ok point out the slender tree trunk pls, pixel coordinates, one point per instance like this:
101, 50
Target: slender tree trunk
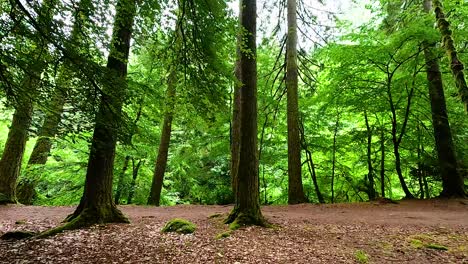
396, 139
12, 156
455, 64
332, 184
135, 171
370, 174
96, 204
310, 164
382, 161
247, 206
120, 182
161, 161
295, 188
452, 180
420, 167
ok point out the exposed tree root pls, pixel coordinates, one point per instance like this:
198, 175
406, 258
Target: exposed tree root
87, 217
238, 219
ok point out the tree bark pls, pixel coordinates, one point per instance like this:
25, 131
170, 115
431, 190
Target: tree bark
456, 65
295, 188
12, 156
96, 205
161, 160
247, 206
452, 180
370, 174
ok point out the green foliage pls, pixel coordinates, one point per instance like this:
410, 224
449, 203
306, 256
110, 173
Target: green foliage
361, 256
180, 226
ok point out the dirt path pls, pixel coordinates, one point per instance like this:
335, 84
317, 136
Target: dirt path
340, 233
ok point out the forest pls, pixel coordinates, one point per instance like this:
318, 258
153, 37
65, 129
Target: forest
233, 122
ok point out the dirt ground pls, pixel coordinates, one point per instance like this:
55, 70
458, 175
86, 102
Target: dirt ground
434, 231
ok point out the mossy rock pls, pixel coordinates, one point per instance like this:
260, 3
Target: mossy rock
16, 235
223, 235
216, 215
180, 226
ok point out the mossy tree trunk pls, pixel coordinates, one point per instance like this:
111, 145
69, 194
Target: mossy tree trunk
295, 188
456, 65
48, 130
12, 156
452, 180
96, 205
163, 151
247, 206
370, 168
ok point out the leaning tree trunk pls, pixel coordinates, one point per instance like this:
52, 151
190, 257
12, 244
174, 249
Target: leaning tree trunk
161, 160
455, 64
370, 174
96, 205
247, 206
12, 156
53, 115
295, 188
452, 180
48, 130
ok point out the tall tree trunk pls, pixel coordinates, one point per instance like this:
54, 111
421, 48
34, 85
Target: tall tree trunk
120, 182
452, 180
396, 139
161, 160
96, 205
455, 64
235, 129
236, 114
370, 174
48, 130
53, 115
12, 156
332, 184
295, 188
135, 171
382, 161
247, 205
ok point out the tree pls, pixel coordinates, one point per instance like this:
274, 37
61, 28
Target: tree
295, 189
161, 160
55, 108
452, 180
10, 163
456, 65
247, 205
96, 205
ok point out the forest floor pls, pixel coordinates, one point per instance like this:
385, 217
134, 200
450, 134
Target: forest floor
431, 231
